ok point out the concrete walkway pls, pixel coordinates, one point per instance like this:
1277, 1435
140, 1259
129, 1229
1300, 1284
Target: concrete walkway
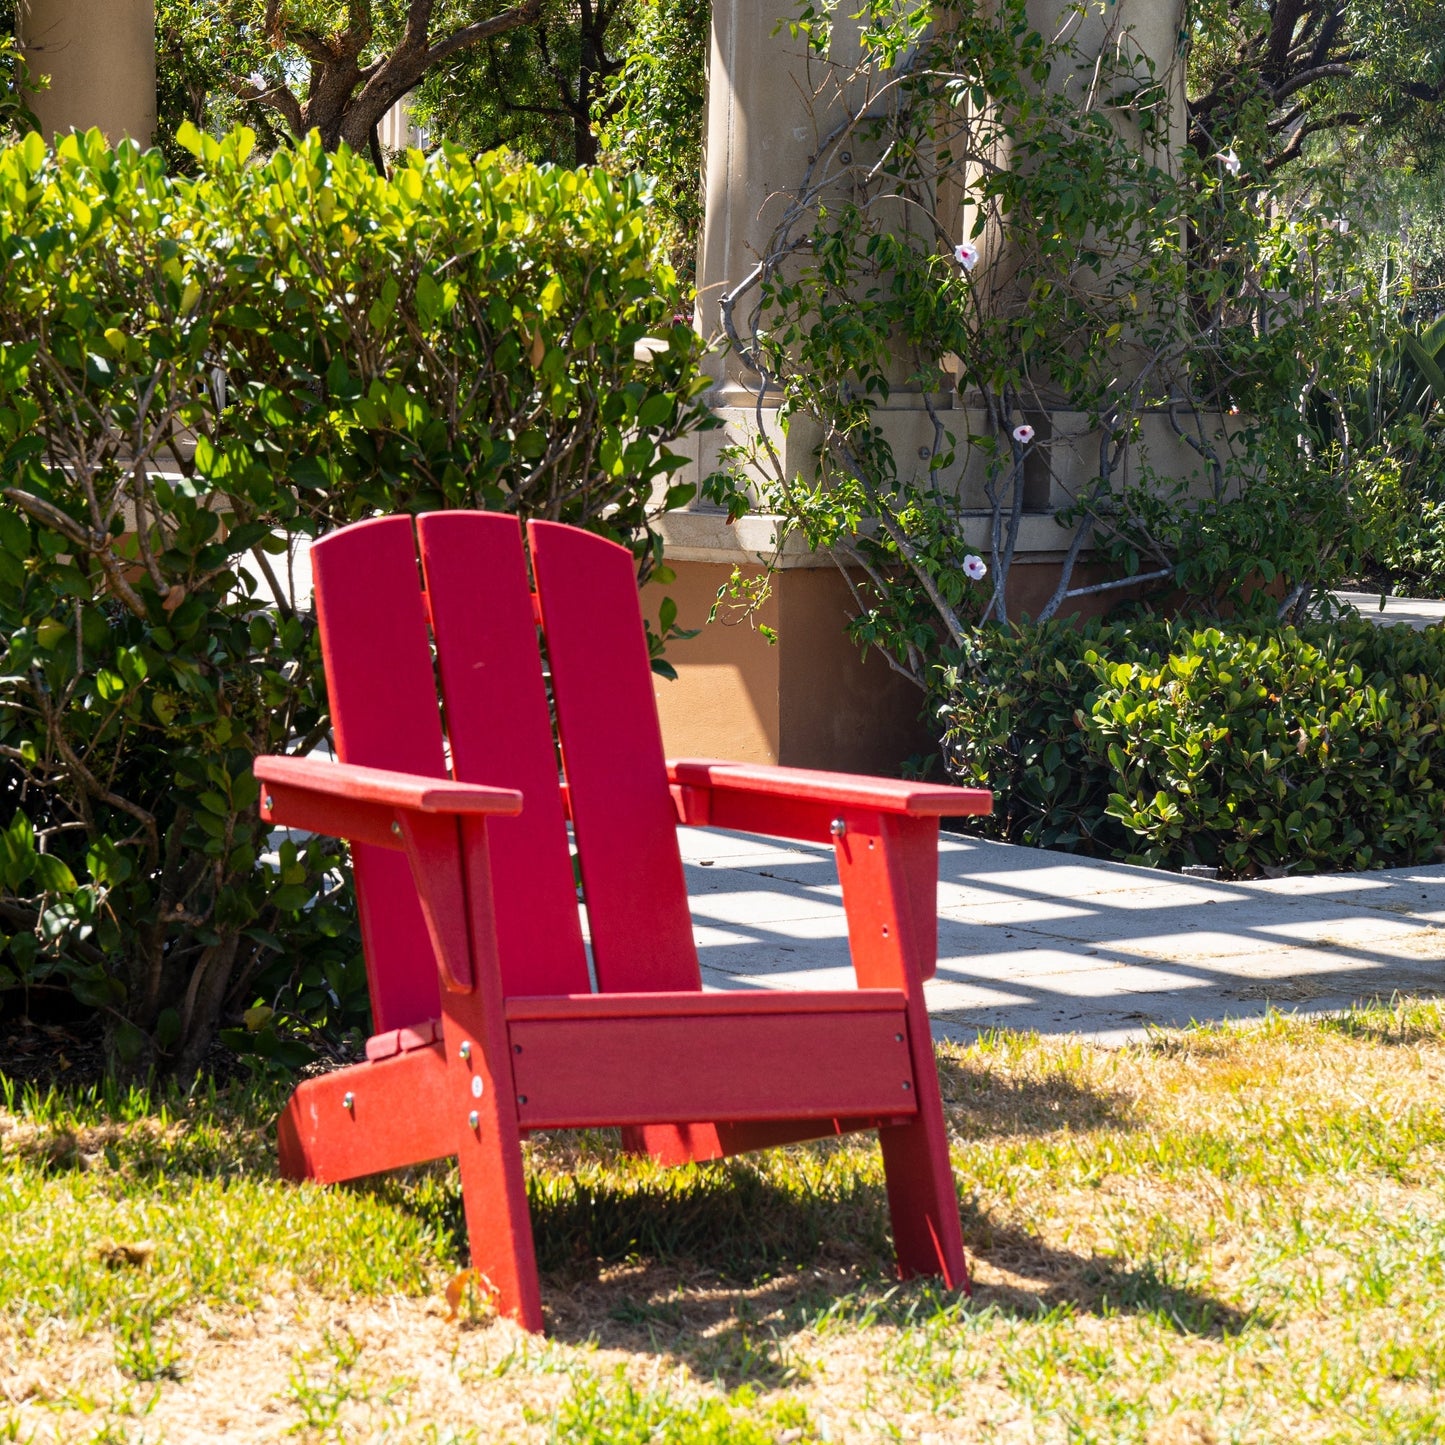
1416, 612
1042, 941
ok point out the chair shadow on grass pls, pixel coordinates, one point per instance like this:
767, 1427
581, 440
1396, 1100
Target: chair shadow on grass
982, 1104
722, 1265
722, 1268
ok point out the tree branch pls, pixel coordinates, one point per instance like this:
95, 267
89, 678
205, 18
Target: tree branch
1336, 69
469, 35
278, 98
1313, 127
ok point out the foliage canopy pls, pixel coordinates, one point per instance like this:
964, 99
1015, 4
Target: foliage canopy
197, 373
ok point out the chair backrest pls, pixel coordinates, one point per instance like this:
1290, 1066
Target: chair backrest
401, 604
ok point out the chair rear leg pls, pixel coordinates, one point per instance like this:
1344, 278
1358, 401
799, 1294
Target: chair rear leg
367, 1118
674, 1144
489, 1153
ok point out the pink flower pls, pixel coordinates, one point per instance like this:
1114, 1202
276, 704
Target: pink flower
974, 568
966, 255
1023, 435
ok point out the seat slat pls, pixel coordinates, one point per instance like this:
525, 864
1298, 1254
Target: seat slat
584, 1072
622, 811
499, 728
382, 693
749, 1003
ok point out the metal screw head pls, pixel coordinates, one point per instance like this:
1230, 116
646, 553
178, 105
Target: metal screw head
477, 1086
906, 1086
837, 827
473, 1119
897, 1038
846, 157
924, 453
348, 1101
396, 829
466, 1051
521, 1098
270, 802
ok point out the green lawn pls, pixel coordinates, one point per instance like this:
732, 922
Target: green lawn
1221, 1235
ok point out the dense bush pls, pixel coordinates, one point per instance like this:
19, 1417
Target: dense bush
194, 373
1252, 749
1397, 411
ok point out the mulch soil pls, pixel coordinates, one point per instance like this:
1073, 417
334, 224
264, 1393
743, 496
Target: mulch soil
69, 1054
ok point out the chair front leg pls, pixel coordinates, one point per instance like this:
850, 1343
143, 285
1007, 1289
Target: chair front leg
489, 1154
888, 866
481, 1099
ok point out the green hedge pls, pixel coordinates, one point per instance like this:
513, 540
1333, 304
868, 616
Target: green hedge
194, 373
1250, 749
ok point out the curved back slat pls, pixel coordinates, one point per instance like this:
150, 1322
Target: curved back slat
500, 733
622, 813
384, 714
377, 625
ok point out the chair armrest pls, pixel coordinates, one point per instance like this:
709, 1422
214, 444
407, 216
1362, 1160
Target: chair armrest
345, 800
890, 891
801, 803
426, 818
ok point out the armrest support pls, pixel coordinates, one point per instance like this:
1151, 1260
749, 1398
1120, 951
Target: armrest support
439, 824
801, 803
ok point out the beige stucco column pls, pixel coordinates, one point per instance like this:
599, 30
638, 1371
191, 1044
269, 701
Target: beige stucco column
812, 699
1149, 30
100, 59
770, 107
1120, 47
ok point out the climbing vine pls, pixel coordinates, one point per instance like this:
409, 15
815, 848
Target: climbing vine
1124, 351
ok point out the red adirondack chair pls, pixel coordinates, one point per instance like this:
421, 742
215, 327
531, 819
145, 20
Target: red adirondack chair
487, 1024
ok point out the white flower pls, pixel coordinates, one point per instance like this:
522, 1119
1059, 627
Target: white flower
1231, 161
975, 568
966, 255
1342, 226
1023, 435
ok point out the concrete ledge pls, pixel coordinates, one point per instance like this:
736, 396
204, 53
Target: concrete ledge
709, 537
